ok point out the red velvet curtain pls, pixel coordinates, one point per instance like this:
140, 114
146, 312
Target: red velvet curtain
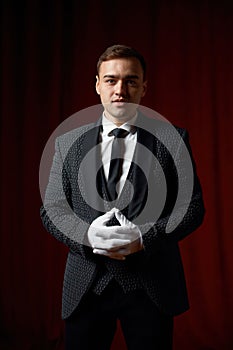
48, 56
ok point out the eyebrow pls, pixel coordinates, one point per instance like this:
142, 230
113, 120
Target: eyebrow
126, 77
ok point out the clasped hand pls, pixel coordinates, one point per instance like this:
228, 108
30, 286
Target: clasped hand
116, 242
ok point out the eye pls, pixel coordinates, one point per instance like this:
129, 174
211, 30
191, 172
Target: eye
110, 81
131, 82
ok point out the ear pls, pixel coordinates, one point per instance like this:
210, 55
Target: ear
97, 84
144, 88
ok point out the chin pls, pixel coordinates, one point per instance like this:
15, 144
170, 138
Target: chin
123, 111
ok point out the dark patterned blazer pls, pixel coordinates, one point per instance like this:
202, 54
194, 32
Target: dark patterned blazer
162, 195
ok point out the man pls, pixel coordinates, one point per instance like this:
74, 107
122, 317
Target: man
124, 261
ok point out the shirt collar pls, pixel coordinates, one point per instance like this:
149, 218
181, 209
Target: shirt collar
108, 125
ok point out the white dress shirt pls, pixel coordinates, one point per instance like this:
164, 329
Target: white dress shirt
106, 147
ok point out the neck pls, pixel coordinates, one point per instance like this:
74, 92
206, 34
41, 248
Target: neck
116, 121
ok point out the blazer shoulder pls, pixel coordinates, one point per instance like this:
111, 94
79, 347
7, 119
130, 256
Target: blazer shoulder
158, 123
64, 143
74, 134
162, 128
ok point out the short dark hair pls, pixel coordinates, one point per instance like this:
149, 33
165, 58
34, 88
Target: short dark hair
121, 51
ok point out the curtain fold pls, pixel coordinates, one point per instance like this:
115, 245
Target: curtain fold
48, 65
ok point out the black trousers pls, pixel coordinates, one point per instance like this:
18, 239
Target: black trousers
93, 324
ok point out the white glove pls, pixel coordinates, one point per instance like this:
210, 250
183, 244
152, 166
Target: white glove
105, 237
116, 241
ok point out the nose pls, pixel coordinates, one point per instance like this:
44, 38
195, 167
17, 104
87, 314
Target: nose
120, 88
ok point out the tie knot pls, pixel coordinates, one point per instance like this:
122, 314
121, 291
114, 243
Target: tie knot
119, 133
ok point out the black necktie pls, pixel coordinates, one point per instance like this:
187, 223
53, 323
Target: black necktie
115, 169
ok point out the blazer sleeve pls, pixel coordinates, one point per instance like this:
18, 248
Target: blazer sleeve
188, 213
56, 212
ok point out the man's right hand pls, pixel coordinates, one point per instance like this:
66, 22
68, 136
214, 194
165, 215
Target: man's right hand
116, 242
105, 237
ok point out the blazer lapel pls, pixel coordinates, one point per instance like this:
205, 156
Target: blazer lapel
92, 164
139, 171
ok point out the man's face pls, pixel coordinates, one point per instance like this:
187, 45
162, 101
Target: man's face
121, 86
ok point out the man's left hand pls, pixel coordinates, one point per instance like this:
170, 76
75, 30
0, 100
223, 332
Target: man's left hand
127, 231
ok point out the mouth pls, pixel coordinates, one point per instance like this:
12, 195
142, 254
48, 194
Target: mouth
119, 102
